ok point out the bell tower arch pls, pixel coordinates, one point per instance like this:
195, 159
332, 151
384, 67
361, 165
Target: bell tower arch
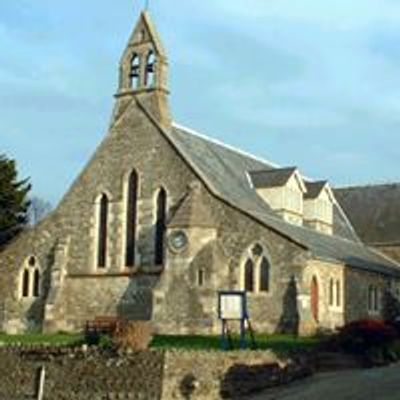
144, 70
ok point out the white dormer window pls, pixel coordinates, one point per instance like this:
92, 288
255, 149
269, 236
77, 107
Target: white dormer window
318, 207
283, 190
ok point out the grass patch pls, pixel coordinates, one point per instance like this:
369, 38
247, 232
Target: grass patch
59, 339
281, 344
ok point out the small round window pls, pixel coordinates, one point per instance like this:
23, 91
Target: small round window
178, 241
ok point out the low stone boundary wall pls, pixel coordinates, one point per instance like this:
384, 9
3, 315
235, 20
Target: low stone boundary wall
216, 375
87, 373
81, 375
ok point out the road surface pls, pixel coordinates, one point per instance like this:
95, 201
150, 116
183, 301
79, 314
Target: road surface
367, 384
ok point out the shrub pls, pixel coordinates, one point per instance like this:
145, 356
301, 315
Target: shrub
92, 338
105, 342
135, 335
361, 336
391, 309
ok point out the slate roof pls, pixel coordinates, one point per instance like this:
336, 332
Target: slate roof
225, 171
314, 189
272, 177
192, 212
374, 211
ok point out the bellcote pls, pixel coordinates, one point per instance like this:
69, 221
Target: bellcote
144, 65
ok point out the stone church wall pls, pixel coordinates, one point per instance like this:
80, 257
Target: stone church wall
276, 310
330, 312
73, 288
85, 294
171, 299
26, 313
90, 291
357, 284
222, 259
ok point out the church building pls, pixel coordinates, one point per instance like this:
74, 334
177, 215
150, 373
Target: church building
162, 218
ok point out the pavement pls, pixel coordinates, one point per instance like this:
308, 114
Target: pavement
366, 384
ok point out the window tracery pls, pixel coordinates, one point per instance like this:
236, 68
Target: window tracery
256, 270
30, 279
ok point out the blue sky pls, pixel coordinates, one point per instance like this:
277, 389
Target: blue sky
299, 82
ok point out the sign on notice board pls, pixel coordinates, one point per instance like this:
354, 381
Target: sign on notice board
232, 305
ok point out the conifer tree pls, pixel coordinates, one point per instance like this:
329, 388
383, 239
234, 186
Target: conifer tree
14, 201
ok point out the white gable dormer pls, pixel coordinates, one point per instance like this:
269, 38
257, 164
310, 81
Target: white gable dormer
318, 207
283, 189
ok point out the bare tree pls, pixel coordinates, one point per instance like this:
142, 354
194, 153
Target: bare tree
38, 209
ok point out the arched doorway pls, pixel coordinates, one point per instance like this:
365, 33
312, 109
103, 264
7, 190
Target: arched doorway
314, 298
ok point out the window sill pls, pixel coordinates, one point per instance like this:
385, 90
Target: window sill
28, 300
126, 272
336, 309
100, 275
258, 294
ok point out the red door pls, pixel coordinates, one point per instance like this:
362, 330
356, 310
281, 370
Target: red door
314, 298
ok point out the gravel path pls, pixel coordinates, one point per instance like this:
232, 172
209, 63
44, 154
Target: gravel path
371, 384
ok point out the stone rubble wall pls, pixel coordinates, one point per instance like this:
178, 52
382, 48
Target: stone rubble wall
216, 375
85, 373
77, 375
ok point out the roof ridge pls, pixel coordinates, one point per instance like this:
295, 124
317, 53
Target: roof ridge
272, 164
227, 146
383, 255
320, 182
366, 185
270, 171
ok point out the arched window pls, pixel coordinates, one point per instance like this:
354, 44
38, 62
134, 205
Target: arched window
160, 226
338, 294
373, 298
30, 278
32, 261
131, 219
36, 283
370, 298
249, 276
331, 292
264, 275
102, 232
135, 71
257, 270
200, 277
150, 69
25, 283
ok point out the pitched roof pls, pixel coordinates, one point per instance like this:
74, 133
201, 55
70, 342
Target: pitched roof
192, 211
146, 22
373, 210
272, 177
225, 171
314, 189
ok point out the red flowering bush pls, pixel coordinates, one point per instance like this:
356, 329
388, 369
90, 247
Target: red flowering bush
361, 336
